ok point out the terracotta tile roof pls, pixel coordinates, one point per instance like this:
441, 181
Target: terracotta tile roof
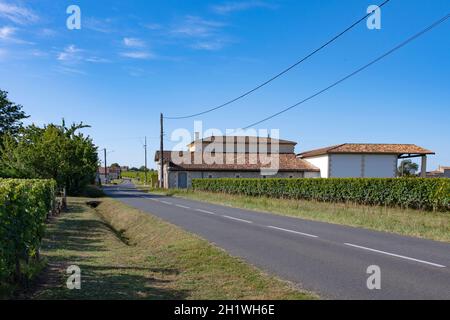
247, 139
376, 148
101, 170
237, 162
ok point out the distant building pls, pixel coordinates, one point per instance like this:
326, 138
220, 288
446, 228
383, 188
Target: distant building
106, 175
363, 160
124, 168
233, 157
441, 172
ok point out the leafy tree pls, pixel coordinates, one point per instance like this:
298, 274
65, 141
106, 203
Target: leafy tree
56, 152
407, 168
115, 165
11, 115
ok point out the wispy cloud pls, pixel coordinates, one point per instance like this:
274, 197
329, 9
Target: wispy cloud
70, 71
201, 34
74, 55
6, 33
212, 45
142, 55
17, 14
70, 54
197, 27
133, 43
99, 25
230, 7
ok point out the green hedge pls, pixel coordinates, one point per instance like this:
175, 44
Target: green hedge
428, 194
24, 205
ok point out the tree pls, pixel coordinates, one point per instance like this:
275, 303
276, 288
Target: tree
115, 165
11, 115
55, 152
407, 168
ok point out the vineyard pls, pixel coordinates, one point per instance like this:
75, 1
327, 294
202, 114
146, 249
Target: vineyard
427, 194
24, 207
139, 176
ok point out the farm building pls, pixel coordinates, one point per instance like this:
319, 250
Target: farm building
106, 175
247, 157
233, 157
364, 160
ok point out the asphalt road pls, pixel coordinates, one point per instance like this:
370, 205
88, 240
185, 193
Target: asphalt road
328, 259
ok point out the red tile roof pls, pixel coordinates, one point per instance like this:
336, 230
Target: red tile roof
240, 139
375, 148
237, 162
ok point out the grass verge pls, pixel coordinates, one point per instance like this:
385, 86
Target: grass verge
409, 222
124, 253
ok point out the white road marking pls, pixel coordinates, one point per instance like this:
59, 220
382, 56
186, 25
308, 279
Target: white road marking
205, 211
181, 206
237, 219
396, 255
165, 202
292, 231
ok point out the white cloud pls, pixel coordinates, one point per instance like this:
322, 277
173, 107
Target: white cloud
230, 7
70, 53
6, 33
137, 55
133, 42
197, 27
99, 25
17, 14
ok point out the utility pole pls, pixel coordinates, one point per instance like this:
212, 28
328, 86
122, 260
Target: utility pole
106, 167
161, 153
145, 146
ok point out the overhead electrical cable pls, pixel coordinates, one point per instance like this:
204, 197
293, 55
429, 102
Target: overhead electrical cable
404, 43
243, 95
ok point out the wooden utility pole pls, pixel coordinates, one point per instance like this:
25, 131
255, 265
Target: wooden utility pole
161, 153
106, 166
145, 147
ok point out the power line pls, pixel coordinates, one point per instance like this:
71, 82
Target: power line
282, 72
435, 24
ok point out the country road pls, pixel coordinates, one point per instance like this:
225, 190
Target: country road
328, 259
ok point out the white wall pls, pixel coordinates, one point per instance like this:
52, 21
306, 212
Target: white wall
320, 162
380, 166
345, 166
363, 165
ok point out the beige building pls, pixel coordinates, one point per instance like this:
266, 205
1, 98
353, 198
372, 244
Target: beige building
233, 157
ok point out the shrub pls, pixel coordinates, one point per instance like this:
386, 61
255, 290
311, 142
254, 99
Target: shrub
24, 205
427, 194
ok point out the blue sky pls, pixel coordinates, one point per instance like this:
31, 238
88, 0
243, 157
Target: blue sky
133, 59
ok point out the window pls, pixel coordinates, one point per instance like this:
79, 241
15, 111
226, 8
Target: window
210, 176
238, 176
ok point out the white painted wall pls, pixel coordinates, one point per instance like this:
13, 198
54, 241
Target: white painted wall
345, 166
320, 162
380, 166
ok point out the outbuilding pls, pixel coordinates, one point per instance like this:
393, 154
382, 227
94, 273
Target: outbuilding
360, 160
